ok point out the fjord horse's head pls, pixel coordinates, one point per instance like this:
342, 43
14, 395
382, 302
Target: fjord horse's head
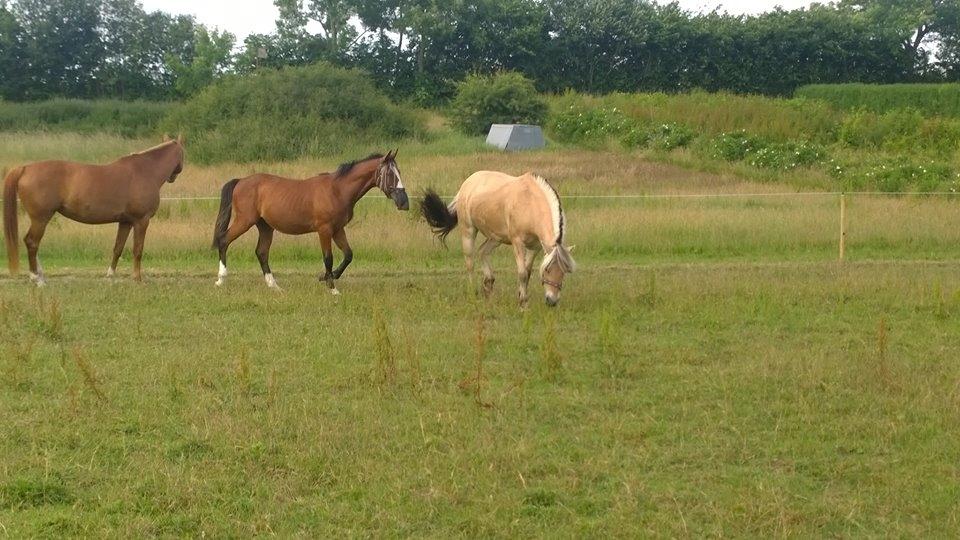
388, 180
556, 265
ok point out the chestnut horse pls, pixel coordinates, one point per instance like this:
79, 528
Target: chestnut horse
126, 191
523, 211
322, 204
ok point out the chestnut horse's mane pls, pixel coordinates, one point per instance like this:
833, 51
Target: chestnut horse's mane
152, 148
345, 168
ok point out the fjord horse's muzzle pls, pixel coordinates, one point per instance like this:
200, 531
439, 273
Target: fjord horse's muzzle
400, 198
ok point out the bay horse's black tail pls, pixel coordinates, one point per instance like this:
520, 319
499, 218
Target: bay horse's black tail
226, 209
440, 217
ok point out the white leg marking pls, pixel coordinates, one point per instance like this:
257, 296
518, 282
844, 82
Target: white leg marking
221, 274
334, 291
111, 272
38, 279
271, 282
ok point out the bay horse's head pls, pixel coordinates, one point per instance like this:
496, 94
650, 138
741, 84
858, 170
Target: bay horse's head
555, 266
388, 180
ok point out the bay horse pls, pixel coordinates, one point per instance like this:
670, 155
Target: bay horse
322, 204
126, 191
523, 211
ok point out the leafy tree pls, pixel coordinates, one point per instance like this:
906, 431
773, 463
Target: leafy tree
211, 58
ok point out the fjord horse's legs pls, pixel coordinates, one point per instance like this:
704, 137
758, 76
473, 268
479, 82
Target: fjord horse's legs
340, 237
263, 252
123, 231
524, 259
139, 234
483, 254
32, 240
327, 247
468, 237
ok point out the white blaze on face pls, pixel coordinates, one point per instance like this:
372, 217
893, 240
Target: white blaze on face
396, 172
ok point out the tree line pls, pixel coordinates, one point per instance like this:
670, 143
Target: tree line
420, 49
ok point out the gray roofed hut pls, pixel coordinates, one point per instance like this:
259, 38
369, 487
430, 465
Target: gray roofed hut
516, 137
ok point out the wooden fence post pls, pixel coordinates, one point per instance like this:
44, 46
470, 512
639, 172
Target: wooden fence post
843, 225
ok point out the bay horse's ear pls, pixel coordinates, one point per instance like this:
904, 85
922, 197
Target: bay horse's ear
395, 152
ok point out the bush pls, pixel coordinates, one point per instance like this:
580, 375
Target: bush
580, 124
670, 136
124, 118
760, 152
290, 113
929, 99
504, 98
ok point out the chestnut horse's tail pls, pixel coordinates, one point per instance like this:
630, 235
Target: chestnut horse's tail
441, 217
10, 185
226, 208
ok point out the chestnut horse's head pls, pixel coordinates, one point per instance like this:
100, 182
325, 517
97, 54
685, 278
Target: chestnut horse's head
388, 180
178, 144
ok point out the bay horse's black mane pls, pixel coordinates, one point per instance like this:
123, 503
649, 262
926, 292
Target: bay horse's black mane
345, 168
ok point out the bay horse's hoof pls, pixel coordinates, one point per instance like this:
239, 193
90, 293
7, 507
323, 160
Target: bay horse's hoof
272, 282
38, 280
334, 292
219, 282
111, 272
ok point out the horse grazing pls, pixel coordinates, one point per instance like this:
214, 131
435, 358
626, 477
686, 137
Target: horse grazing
523, 211
322, 204
126, 191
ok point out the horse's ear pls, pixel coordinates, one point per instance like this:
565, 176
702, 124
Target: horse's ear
571, 248
180, 138
395, 152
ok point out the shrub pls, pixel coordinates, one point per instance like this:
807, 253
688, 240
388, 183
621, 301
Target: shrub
578, 124
737, 146
897, 175
288, 113
504, 98
786, 156
670, 136
124, 118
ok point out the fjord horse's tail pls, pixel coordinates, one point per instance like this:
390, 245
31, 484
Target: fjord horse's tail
226, 209
10, 185
442, 218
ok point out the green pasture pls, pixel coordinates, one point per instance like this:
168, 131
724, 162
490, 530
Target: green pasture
712, 369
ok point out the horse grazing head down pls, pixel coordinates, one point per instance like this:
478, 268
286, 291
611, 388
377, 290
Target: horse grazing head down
555, 266
388, 180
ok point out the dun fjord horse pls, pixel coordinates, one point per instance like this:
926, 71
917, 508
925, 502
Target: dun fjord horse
322, 204
126, 191
523, 211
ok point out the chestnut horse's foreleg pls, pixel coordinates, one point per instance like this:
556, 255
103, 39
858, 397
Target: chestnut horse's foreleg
327, 246
524, 259
123, 231
263, 253
340, 237
483, 254
32, 241
139, 234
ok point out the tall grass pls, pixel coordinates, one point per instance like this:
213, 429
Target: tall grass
930, 99
124, 118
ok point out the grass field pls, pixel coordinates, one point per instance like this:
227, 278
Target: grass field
711, 370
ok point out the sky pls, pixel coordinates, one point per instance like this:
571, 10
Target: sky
245, 17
